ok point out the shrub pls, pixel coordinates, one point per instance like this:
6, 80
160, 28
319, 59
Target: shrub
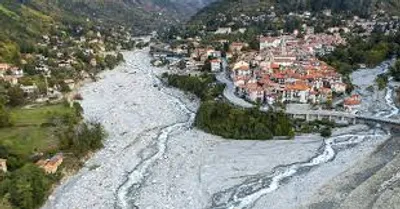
326, 132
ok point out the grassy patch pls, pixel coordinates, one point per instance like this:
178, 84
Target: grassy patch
28, 135
37, 116
26, 140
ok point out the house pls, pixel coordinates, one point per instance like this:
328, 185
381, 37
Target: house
239, 81
267, 42
241, 68
241, 64
93, 62
352, 103
10, 79
242, 30
29, 89
237, 46
15, 71
215, 65
338, 87
213, 53
50, 166
4, 67
255, 92
64, 64
42, 68
226, 30
3, 165
298, 92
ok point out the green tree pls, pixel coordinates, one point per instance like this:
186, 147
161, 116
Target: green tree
16, 96
28, 187
3, 152
85, 138
395, 70
120, 57
111, 61
382, 81
326, 132
224, 120
5, 118
207, 66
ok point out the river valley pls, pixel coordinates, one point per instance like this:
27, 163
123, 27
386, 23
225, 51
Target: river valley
153, 158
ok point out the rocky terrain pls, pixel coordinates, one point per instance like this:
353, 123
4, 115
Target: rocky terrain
154, 158
374, 182
375, 101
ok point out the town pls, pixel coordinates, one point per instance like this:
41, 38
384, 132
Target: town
285, 69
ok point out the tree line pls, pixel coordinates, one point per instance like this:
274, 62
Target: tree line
369, 51
203, 86
220, 118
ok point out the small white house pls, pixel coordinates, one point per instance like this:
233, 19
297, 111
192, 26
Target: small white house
215, 65
227, 30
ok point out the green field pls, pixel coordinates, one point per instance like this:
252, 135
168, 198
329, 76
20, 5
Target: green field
28, 135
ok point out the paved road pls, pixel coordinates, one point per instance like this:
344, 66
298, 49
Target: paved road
229, 92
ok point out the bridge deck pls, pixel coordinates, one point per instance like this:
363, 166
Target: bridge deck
328, 113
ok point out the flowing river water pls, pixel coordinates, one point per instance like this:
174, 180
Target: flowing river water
127, 190
125, 185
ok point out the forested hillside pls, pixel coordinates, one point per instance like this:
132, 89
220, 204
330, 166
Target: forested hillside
24, 21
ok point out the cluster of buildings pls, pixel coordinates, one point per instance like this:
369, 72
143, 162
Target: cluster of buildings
287, 70
193, 59
62, 60
308, 46
10, 73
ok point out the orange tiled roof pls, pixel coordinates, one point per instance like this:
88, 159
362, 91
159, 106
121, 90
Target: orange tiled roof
275, 66
298, 86
353, 100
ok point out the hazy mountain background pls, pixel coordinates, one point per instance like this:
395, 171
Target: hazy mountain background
23, 22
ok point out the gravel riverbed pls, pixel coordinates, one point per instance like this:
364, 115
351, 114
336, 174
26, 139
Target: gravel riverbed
153, 158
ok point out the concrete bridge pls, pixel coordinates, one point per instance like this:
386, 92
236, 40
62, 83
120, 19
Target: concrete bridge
340, 117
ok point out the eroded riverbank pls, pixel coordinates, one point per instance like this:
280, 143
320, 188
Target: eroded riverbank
154, 159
